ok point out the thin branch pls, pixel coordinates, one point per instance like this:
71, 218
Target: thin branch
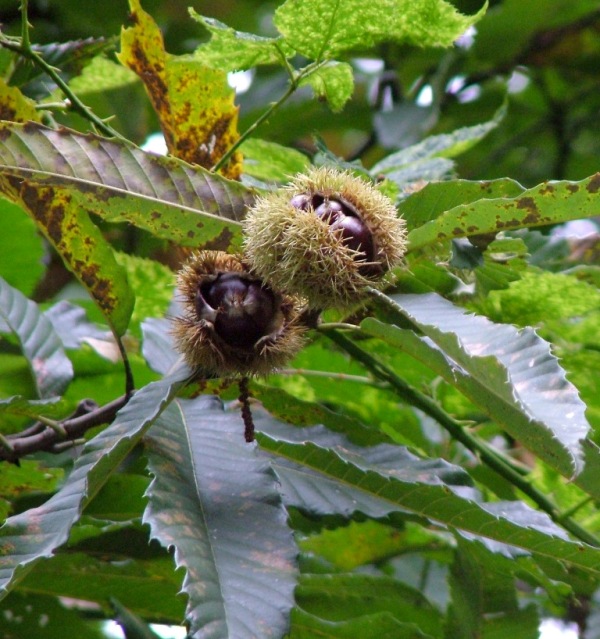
40, 436
24, 48
295, 80
486, 453
342, 377
129, 381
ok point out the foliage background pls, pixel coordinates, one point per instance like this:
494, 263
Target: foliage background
427, 566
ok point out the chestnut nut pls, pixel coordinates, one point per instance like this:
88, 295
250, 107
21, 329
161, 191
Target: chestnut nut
340, 216
242, 309
328, 237
233, 323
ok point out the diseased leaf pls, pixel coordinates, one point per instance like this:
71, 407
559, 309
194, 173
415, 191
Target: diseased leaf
193, 102
333, 83
215, 500
323, 29
511, 374
79, 242
51, 368
547, 203
435, 198
121, 183
232, 50
15, 107
35, 534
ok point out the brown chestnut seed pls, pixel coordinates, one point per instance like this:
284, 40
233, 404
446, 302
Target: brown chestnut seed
330, 210
301, 201
355, 235
244, 309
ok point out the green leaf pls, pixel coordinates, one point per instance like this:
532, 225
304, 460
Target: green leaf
71, 57
333, 83
377, 626
133, 627
29, 476
23, 268
232, 50
547, 203
20, 548
33, 408
323, 29
50, 367
157, 345
147, 587
383, 479
348, 596
272, 162
73, 326
47, 617
484, 597
154, 285
121, 183
215, 500
369, 542
300, 412
445, 145
511, 374
544, 297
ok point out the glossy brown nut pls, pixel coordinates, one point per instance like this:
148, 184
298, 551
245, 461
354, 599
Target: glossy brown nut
244, 309
330, 210
356, 235
301, 201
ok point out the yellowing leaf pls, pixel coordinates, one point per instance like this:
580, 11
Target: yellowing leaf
193, 102
16, 107
79, 242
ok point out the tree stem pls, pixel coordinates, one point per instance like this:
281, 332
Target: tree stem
488, 455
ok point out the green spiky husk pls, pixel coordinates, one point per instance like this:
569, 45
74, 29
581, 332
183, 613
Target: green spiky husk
202, 347
295, 251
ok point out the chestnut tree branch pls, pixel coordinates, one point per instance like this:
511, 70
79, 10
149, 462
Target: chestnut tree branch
41, 436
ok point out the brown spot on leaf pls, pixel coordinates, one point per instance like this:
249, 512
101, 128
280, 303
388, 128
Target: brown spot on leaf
572, 188
594, 184
527, 203
457, 231
220, 243
547, 189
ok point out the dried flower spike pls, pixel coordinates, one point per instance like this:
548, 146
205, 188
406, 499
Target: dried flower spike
327, 236
233, 324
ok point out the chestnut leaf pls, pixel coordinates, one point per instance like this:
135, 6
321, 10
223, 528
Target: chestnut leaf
324, 29
333, 83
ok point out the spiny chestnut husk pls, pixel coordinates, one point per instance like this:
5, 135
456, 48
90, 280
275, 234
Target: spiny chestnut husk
325, 237
233, 324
